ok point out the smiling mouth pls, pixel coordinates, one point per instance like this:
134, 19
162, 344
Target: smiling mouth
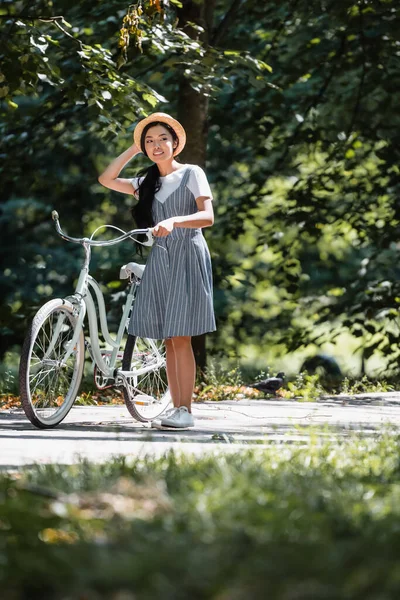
157, 153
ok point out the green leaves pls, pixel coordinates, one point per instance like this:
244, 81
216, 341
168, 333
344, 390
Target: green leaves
304, 173
303, 153
40, 43
152, 100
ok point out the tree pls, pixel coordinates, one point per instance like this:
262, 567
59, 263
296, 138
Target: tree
316, 178
304, 160
65, 97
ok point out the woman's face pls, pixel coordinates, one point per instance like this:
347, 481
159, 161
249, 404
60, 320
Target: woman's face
159, 144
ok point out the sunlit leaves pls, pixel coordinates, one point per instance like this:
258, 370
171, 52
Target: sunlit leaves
131, 26
321, 155
203, 65
40, 43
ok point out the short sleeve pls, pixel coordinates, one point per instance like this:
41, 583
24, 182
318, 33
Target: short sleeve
198, 183
135, 184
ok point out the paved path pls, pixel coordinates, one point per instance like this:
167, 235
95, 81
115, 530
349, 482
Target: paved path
98, 433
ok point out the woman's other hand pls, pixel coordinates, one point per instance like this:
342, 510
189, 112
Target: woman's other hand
164, 228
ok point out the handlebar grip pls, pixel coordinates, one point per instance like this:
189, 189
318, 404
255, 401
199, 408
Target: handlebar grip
54, 215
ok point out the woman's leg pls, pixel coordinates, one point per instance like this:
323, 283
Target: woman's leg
185, 369
171, 373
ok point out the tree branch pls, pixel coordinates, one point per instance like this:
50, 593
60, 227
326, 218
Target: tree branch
314, 102
280, 29
57, 24
226, 22
30, 18
152, 66
54, 20
362, 79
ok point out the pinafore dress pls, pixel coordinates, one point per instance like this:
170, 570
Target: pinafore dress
175, 296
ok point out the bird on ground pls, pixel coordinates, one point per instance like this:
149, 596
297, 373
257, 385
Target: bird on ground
270, 385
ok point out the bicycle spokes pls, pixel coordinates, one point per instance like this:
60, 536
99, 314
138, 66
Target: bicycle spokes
146, 388
52, 362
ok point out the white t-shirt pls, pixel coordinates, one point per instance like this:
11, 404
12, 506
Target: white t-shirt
197, 183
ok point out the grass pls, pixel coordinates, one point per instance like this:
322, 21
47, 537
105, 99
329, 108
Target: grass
320, 521
223, 384
216, 384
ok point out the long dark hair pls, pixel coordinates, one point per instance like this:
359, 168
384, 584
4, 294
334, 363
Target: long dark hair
149, 183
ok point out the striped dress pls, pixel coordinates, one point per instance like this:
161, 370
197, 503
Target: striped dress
175, 297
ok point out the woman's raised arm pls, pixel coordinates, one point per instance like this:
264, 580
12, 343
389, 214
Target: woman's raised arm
109, 178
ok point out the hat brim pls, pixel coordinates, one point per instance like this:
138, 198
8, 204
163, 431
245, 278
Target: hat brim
161, 118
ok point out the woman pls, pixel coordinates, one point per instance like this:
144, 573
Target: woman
175, 298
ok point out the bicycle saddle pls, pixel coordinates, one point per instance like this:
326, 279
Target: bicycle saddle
131, 268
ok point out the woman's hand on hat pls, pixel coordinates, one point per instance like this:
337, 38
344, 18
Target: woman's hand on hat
164, 228
135, 149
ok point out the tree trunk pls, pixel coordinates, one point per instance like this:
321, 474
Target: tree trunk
193, 112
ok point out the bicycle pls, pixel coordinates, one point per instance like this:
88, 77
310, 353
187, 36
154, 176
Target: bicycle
53, 353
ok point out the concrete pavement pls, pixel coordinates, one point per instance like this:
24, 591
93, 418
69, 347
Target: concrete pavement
98, 433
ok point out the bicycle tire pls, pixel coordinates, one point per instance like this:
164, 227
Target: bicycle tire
139, 351
49, 386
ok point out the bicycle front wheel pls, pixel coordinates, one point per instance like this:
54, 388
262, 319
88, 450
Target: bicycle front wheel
50, 370
147, 395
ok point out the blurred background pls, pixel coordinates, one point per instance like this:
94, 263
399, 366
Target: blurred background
292, 108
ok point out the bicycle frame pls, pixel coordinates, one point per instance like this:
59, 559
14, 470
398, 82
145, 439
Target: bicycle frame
84, 301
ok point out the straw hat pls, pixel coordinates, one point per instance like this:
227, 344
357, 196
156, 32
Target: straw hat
162, 118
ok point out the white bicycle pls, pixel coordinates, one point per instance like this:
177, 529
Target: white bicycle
53, 353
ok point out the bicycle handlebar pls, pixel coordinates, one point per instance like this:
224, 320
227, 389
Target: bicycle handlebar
90, 242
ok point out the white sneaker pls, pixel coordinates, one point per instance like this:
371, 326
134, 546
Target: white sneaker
181, 418
168, 413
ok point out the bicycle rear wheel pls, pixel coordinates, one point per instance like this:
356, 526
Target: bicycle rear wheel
49, 378
147, 395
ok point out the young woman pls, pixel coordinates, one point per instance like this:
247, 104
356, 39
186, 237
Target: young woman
175, 298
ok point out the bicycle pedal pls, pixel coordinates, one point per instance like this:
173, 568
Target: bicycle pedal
143, 400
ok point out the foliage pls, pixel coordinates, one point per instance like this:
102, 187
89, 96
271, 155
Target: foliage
305, 387
217, 393
365, 385
303, 157
9, 374
216, 384
65, 96
319, 520
312, 183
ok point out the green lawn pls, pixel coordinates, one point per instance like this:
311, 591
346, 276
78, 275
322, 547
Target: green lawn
281, 522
